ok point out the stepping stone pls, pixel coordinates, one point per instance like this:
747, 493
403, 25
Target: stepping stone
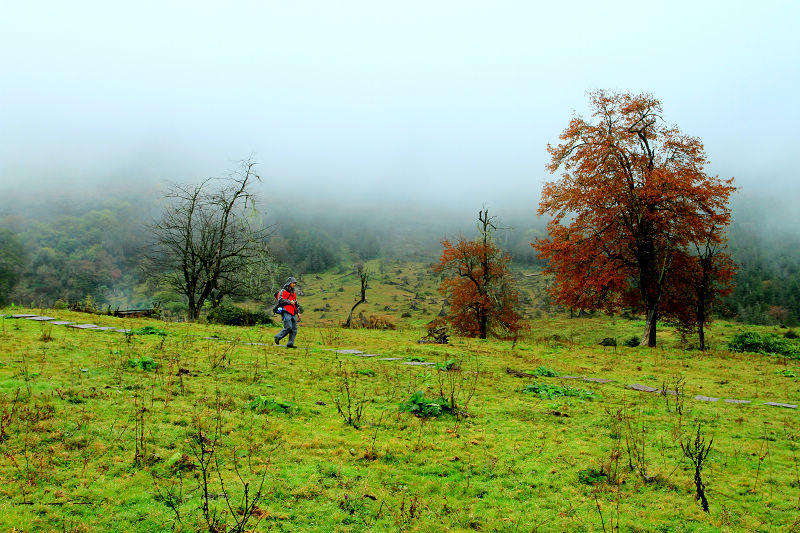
643, 388
61, 323
598, 380
84, 326
21, 316
352, 352
737, 401
390, 359
571, 377
365, 354
706, 398
670, 392
255, 344
776, 404
122, 330
418, 363
105, 328
40, 318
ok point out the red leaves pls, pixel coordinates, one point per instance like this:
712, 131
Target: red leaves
478, 284
633, 198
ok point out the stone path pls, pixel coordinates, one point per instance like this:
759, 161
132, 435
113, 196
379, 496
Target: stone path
701, 398
359, 353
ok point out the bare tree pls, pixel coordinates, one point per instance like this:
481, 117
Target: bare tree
363, 275
207, 237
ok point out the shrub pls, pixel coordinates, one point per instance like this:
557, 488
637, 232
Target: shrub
592, 476
751, 341
379, 322
450, 364
262, 404
148, 330
633, 342
422, 407
548, 392
143, 363
230, 315
545, 372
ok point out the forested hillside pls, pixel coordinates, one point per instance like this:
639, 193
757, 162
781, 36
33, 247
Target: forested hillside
74, 246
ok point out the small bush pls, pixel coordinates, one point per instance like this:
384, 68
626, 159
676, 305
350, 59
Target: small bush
450, 364
60, 305
791, 334
548, 392
633, 342
751, 341
379, 322
592, 476
148, 330
422, 407
230, 315
262, 404
143, 363
545, 372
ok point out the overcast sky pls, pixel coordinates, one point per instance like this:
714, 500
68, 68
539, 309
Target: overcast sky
391, 101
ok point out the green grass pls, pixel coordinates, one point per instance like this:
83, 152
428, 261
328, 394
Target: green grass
91, 442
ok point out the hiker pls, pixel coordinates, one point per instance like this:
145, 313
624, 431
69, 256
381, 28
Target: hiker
290, 311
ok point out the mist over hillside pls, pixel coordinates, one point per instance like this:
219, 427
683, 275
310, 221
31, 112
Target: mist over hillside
88, 241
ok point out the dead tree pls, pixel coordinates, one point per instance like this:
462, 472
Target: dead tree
206, 238
363, 275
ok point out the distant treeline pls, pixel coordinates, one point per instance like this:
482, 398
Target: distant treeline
71, 249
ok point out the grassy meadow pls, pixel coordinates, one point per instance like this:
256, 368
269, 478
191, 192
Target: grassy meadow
194, 427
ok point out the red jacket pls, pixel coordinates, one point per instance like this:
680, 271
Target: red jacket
290, 308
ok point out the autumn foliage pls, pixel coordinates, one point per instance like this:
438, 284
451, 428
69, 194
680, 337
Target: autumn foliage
479, 286
633, 215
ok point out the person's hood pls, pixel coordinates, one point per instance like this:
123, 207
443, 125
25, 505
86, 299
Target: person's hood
289, 282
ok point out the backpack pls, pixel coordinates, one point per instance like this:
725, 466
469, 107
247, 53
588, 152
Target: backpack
276, 309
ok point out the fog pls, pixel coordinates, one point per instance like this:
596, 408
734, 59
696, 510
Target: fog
415, 105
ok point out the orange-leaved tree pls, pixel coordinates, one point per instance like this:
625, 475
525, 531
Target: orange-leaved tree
632, 203
479, 285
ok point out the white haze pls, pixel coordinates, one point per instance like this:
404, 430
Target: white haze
445, 103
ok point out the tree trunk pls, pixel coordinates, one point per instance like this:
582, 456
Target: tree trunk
483, 322
350, 316
649, 333
704, 298
364, 278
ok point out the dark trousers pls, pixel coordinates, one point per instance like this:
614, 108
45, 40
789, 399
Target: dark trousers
289, 328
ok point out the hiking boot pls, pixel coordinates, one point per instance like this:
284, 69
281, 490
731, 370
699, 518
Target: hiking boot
291, 346
277, 340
